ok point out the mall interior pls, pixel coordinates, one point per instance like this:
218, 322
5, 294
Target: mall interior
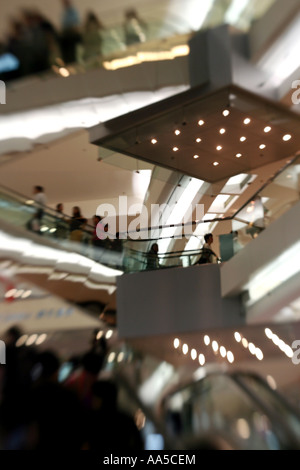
128, 132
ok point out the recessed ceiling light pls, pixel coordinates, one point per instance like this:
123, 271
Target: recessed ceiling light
242, 139
238, 155
287, 137
201, 122
262, 146
267, 129
216, 163
219, 147
153, 141
198, 140
222, 131
226, 112
175, 149
177, 132
196, 156
247, 121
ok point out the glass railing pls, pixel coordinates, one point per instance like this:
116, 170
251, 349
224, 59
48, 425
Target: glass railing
275, 198
118, 253
181, 249
237, 410
48, 224
220, 406
93, 45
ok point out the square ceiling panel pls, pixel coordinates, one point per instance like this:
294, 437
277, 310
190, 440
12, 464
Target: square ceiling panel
210, 137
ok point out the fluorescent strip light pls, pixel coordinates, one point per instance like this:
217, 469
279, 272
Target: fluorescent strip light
235, 10
275, 274
193, 14
179, 211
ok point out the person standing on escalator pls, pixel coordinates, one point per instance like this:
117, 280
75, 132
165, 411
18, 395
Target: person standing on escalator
40, 197
152, 258
40, 201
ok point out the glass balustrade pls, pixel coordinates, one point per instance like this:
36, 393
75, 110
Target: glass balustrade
183, 247
154, 37
218, 406
232, 410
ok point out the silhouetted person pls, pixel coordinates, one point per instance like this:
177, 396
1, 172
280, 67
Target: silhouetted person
107, 427
55, 411
76, 224
40, 202
91, 36
39, 197
208, 255
16, 386
96, 241
35, 223
134, 27
152, 257
61, 223
82, 379
70, 35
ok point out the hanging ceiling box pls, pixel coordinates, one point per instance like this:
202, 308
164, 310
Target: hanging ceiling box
207, 136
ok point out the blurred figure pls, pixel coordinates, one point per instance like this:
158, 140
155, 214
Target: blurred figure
82, 379
70, 36
134, 27
91, 37
70, 17
152, 257
40, 199
19, 360
16, 386
36, 38
18, 46
76, 224
35, 223
55, 412
96, 241
61, 224
52, 39
108, 427
9, 65
40, 196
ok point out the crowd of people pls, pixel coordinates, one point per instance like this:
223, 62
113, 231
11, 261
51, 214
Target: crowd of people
77, 229
73, 228
36, 44
38, 411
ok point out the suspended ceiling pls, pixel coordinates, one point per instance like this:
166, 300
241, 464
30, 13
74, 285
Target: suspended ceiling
190, 134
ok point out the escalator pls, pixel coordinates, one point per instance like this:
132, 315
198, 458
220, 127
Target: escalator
221, 411
17, 211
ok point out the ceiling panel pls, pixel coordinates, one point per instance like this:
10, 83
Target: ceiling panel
166, 133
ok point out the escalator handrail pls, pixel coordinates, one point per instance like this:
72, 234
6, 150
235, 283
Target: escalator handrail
274, 416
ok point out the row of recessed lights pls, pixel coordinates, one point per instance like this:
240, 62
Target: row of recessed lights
222, 131
219, 349
107, 335
185, 350
201, 358
17, 294
255, 351
29, 340
246, 121
286, 138
285, 348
